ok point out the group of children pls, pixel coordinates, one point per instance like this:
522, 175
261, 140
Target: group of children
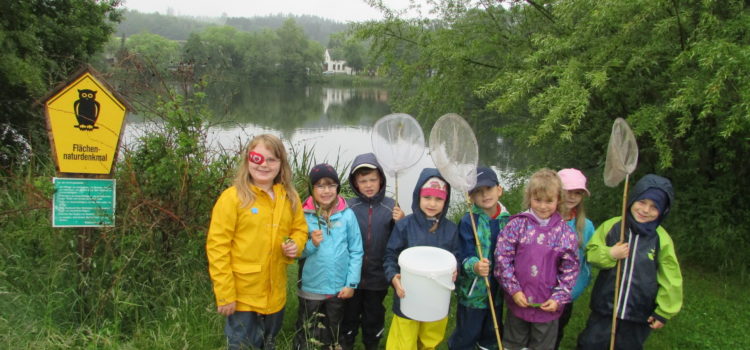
537, 261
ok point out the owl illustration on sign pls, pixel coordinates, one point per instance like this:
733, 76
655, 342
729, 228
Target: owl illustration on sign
87, 110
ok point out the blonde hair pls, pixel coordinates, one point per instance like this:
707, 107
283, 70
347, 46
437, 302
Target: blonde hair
580, 215
544, 182
243, 179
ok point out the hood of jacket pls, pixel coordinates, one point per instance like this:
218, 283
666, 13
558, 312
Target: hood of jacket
554, 219
367, 158
309, 205
653, 181
645, 184
425, 175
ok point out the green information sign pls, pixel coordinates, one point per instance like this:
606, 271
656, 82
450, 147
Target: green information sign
83, 202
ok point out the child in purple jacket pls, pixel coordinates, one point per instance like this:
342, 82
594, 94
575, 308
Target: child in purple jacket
537, 265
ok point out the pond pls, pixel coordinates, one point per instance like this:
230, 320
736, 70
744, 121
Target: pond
336, 123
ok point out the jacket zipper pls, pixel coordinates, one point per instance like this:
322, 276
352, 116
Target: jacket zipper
367, 239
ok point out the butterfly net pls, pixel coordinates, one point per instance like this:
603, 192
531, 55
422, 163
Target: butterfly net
397, 141
622, 153
454, 150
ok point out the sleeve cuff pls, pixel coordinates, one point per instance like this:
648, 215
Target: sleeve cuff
512, 290
561, 298
310, 248
468, 266
225, 301
389, 276
660, 318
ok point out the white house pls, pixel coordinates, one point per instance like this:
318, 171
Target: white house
331, 66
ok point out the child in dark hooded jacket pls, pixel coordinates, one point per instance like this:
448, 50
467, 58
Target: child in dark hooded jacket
376, 214
426, 226
651, 281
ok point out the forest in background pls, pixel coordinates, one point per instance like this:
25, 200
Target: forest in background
180, 27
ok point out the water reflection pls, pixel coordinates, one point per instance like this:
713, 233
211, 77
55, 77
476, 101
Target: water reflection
335, 122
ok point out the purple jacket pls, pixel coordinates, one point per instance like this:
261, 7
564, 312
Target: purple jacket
541, 261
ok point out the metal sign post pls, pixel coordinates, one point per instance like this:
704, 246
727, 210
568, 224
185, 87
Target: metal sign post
85, 118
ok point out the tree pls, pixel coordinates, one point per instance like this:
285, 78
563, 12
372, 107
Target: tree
348, 48
299, 57
435, 66
223, 48
556, 73
155, 49
42, 43
262, 56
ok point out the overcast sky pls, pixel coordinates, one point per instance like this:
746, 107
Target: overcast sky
339, 10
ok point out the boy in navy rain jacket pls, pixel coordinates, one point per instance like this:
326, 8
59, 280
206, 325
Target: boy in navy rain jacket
376, 215
651, 281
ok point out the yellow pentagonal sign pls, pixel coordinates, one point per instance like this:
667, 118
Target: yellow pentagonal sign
85, 120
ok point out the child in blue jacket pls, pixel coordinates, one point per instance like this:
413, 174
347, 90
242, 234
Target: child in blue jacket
333, 262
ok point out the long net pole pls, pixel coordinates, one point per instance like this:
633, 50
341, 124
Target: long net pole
616, 302
486, 280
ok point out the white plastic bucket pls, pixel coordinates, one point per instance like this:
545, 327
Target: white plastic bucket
427, 279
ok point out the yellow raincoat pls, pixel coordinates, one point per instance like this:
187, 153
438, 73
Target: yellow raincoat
245, 259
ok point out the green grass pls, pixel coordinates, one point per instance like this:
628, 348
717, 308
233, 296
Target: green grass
42, 307
713, 317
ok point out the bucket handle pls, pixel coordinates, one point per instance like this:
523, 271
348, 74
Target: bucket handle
442, 283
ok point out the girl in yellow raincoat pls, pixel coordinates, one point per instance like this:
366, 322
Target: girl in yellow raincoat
257, 229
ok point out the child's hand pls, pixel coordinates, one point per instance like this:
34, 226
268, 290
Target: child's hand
290, 249
619, 251
346, 293
520, 299
317, 237
654, 323
455, 275
227, 309
482, 267
398, 214
549, 305
396, 282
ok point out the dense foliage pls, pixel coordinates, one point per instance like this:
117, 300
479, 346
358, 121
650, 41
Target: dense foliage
168, 26
261, 46
285, 54
553, 76
316, 28
41, 43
